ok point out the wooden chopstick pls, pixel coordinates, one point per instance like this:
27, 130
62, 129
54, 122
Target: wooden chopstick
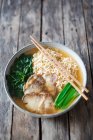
79, 91
63, 68
56, 64
82, 94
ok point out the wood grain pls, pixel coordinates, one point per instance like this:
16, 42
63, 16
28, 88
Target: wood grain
52, 26
9, 20
88, 15
74, 28
30, 21
24, 126
52, 30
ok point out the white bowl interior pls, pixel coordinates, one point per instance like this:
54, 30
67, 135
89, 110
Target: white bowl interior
55, 45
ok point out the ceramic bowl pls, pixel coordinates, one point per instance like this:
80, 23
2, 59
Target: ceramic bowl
50, 44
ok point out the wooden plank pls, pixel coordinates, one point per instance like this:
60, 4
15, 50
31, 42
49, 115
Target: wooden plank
0, 7
81, 117
52, 30
52, 26
24, 126
88, 13
8, 46
30, 21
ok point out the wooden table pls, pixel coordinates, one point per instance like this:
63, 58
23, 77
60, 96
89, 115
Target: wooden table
48, 20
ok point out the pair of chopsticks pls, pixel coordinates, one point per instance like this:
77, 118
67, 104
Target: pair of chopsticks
62, 70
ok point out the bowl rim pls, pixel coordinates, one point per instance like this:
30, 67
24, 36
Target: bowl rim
35, 114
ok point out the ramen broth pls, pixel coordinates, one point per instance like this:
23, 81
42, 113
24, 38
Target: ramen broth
65, 54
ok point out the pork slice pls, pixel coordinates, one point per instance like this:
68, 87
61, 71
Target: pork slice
34, 84
38, 103
35, 87
50, 83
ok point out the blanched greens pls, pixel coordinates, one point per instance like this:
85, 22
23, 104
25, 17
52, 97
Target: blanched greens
19, 73
66, 97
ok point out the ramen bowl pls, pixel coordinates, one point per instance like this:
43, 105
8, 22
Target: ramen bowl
50, 45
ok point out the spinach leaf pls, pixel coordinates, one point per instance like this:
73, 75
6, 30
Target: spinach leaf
19, 73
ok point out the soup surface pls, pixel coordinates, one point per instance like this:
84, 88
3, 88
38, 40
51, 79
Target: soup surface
42, 67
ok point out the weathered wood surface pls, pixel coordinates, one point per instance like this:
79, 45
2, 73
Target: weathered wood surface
74, 27
9, 20
52, 25
88, 15
49, 20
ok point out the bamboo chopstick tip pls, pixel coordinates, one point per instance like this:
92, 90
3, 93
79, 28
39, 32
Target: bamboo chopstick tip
86, 98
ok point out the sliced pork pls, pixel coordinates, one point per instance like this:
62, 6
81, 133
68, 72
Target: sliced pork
50, 83
38, 103
34, 84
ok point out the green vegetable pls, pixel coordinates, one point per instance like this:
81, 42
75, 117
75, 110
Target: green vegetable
61, 95
68, 103
66, 96
19, 73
